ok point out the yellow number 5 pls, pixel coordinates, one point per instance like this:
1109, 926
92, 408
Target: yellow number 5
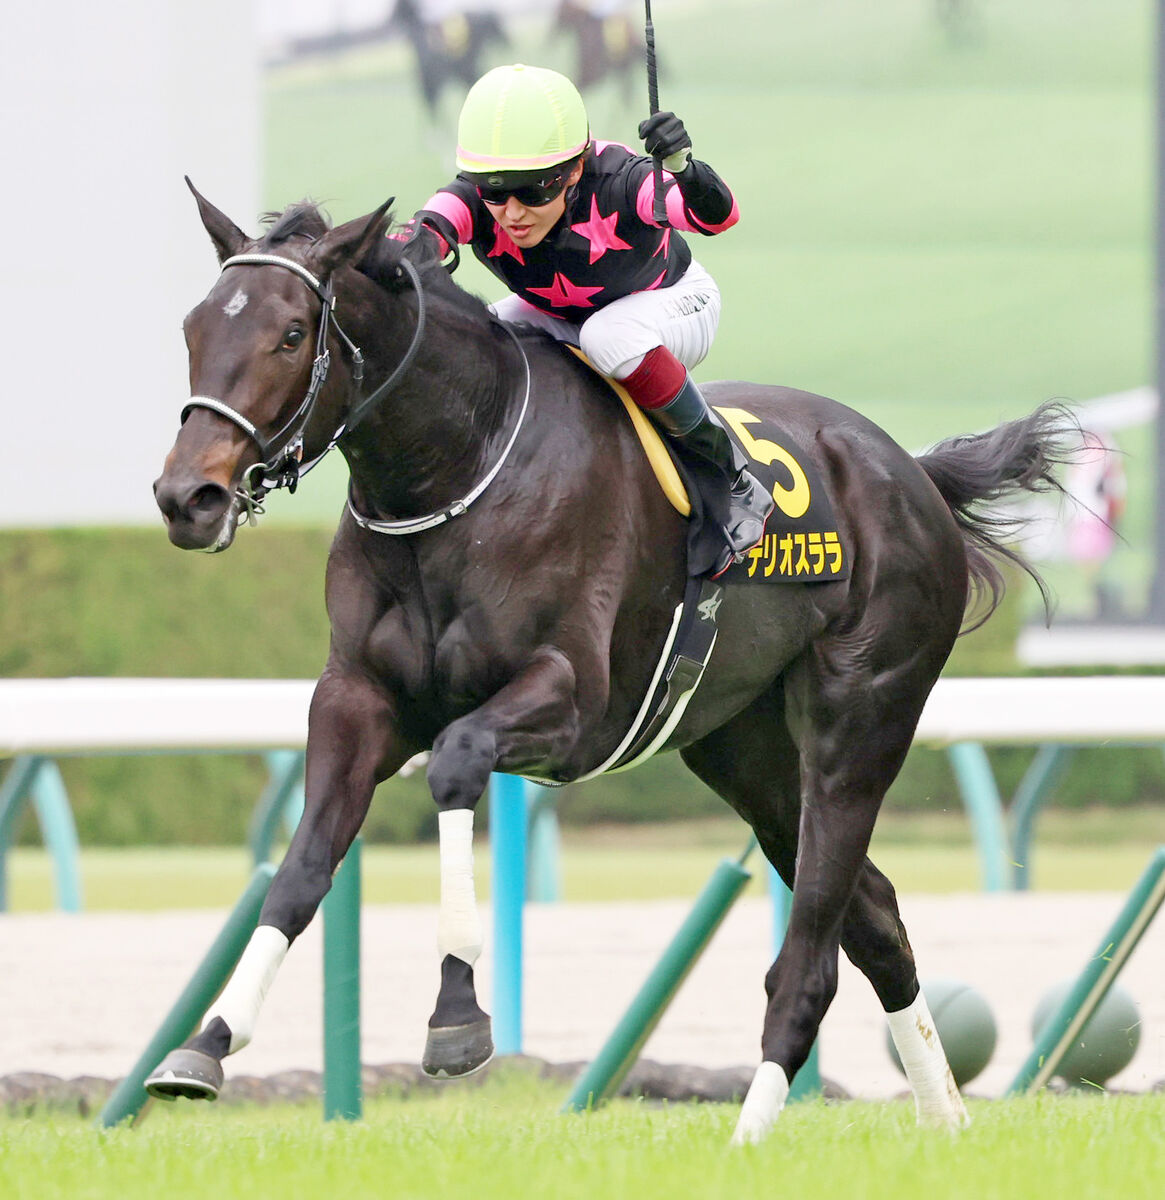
792, 501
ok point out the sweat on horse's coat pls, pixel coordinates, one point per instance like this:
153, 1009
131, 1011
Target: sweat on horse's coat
520, 636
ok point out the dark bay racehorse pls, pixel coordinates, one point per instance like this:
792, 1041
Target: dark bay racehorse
509, 609
448, 49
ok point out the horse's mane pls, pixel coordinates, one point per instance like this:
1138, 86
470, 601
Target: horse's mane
308, 220
305, 219
382, 266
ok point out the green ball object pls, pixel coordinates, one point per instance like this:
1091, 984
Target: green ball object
965, 1027
1106, 1044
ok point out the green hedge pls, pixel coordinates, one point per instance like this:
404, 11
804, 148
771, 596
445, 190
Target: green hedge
124, 602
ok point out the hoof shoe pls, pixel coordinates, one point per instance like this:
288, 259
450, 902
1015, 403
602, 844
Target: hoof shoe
188, 1073
458, 1050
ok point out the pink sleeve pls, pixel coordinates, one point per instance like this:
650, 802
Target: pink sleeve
677, 214
455, 211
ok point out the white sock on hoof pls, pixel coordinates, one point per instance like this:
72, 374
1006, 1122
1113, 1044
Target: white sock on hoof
458, 923
243, 995
766, 1097
936, 1095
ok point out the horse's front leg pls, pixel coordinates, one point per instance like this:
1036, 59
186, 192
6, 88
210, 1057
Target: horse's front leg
352, 744
531, 717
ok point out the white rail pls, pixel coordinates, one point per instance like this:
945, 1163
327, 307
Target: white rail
88, 716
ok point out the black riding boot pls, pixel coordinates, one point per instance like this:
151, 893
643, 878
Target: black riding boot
688, 419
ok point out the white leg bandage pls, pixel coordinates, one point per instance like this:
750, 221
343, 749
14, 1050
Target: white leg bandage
458, 926
243, 995
766, 1097
936, 1095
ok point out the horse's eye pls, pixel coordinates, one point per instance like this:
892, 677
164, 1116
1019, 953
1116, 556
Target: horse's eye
292, 338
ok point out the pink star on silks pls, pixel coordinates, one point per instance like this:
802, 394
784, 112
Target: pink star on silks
600, 232
504, 244
564, 294
664, 243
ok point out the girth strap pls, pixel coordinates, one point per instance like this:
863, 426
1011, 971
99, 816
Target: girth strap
686, 652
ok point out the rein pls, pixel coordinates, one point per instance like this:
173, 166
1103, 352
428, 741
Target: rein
417, 524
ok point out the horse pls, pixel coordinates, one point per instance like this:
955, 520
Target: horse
606, 44
449, 48
499, 587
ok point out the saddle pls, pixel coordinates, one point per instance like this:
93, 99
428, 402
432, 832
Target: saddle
802, 543
661, 458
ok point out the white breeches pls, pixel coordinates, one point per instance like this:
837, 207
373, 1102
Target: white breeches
682, 317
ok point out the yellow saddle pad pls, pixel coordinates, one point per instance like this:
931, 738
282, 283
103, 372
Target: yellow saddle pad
651, 441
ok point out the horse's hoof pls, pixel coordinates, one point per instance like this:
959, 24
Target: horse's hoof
188, 1073
457, 1050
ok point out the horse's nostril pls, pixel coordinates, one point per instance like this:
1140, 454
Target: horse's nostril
208, 500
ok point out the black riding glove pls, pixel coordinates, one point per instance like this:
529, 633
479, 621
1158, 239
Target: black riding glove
664, 137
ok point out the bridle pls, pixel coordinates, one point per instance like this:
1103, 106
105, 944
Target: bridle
281, 463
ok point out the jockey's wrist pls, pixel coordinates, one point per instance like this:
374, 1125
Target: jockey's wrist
440, 227
706, 195
679, 162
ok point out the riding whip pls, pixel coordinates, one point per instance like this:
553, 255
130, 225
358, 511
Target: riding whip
658, 207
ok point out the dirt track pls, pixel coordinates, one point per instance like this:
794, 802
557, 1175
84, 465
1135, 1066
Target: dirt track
83, 994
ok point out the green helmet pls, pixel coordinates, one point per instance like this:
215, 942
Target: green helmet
520, 118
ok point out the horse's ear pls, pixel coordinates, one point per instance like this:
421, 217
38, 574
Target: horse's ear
228, 238
351, 241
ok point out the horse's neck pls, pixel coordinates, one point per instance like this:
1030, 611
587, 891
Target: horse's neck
429, 440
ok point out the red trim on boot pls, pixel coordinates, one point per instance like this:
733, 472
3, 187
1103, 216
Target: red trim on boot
657, 380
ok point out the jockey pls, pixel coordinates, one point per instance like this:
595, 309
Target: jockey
566, 224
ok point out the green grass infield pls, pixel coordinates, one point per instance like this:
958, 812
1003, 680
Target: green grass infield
507, 1139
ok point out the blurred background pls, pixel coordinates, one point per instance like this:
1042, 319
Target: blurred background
947, 218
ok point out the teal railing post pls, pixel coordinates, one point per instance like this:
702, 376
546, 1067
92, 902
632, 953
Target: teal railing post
343, 1093
981, 797
806, 1084
40, 778
13, 793
1099, 974
544, 852
282, 799
507, 839
1045, 771
208, 980
59, 831
602, 1078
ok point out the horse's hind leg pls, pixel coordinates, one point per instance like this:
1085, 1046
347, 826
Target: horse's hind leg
875, 941
752, 763
351, 746
846, 754
852, 710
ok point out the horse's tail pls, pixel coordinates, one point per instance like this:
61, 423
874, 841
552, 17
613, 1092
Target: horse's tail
976, 472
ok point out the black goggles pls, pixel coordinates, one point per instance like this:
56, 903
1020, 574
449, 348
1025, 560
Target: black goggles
529, 195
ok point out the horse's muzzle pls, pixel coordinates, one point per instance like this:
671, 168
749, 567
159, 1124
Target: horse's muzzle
199, 514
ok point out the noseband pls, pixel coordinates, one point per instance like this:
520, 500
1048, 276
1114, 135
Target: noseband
281, 455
